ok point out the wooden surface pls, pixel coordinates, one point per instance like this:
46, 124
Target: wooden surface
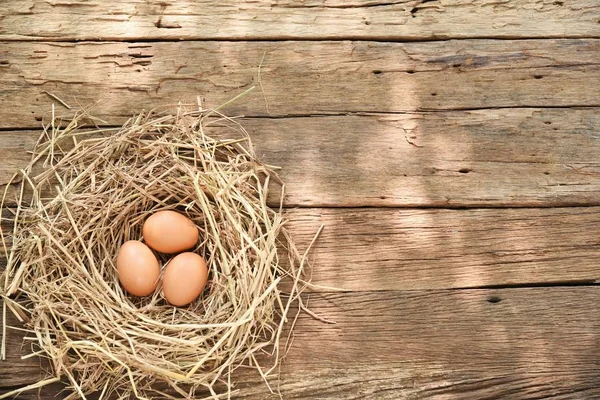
508, 157
301, 78
307, 19
528, 343
450, 148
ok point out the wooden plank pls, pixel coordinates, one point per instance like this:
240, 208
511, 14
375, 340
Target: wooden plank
475, 344
296, 19
520, 157
497, 158
395, 249
298, 78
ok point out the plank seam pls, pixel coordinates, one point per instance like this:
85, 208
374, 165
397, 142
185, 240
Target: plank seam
356, 114
299, 39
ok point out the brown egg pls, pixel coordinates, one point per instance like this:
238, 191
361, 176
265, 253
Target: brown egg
184, 278
170, 232
138, 268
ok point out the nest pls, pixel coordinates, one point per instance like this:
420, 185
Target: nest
94, 192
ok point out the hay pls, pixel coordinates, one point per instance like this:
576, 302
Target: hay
94, 193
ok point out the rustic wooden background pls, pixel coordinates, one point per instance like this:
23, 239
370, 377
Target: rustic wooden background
451, 148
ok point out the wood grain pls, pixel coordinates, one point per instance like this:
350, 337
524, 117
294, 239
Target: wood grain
497, 158
393, 249
392, 122
298, 78
295, 19
469, 344
381, 249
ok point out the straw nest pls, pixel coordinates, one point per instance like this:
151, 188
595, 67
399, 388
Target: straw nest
93, 193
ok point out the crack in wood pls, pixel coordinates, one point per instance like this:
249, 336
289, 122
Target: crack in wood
160, 24
420, 6
365, 5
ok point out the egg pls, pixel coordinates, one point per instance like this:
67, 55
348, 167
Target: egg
184, 278
170, 232
138, 268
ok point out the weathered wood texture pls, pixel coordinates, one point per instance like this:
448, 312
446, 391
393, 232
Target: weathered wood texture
512, 157
469, 344
388, 249
298, 78
394, 249
296, 19
479, 118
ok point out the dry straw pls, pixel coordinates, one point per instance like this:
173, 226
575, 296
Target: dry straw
94, 192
